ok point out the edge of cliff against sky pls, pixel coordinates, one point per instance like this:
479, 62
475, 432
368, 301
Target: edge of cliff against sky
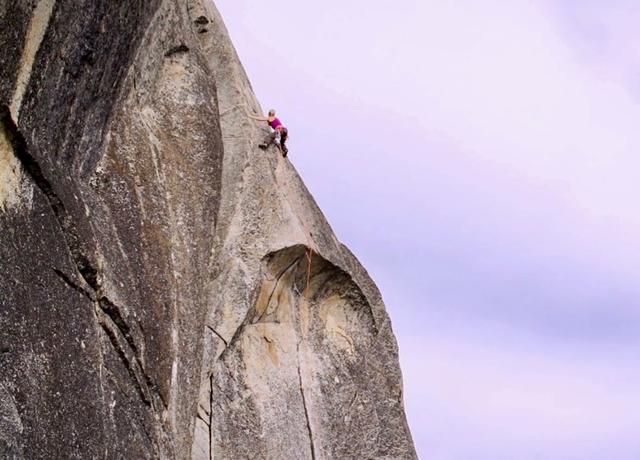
480, 159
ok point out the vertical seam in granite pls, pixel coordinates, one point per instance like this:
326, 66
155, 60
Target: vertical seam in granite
304, 404
211, 416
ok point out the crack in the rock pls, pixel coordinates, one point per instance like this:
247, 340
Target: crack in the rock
82, 263
181, 48
304, 404
252, 312
139, 417
201, 418
356, 394
296, 319
211, 416
33, 169
112, 311
129, 363
275, 286
69, 282
218, 335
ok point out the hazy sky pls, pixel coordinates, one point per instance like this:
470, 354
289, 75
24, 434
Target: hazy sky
482, 159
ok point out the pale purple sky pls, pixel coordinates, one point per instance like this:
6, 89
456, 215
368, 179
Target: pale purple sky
482, 159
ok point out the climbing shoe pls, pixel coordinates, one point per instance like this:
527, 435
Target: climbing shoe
263, 146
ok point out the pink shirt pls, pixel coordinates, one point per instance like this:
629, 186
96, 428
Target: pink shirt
274, 123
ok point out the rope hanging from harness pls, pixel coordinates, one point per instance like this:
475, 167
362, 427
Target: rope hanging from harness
309, 255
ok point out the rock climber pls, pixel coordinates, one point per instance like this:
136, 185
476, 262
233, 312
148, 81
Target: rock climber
279, 134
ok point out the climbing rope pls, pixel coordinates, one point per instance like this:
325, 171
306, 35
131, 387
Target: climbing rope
310, 251
309, 255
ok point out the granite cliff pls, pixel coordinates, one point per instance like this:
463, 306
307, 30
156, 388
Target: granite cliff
167, 289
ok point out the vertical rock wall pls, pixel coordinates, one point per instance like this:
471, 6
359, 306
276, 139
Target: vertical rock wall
111, 156
168, 290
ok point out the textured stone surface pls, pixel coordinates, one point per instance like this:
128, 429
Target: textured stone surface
167, 289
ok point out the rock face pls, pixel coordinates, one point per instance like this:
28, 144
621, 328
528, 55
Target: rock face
167, 289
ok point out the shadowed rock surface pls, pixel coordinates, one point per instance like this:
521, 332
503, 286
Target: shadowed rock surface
167, 289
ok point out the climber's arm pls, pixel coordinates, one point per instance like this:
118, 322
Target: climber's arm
255, 117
